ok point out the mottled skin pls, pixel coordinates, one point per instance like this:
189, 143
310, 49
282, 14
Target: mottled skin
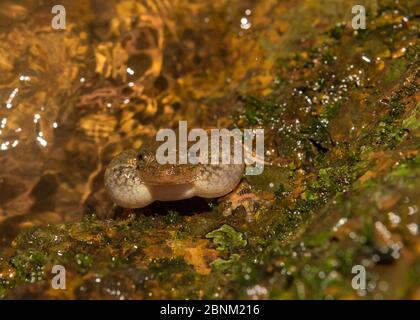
135, 179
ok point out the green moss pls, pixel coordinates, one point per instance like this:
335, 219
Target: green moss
318, 240
29, 266
164, 269
257, 111
332, 109
227, 239
83, 260
172, 217
226, 266
338, 30
387, 133
280, 192
411, 123
397, 68
407, 169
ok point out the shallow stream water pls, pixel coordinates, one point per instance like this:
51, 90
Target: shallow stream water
71, 99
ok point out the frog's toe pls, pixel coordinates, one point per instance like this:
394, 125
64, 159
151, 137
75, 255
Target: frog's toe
244, 201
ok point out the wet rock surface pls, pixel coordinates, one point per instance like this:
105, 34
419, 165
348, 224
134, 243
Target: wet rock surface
340, 113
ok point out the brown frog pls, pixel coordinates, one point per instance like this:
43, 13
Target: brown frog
135, 179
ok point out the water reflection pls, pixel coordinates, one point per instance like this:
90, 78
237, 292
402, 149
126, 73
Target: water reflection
72, 99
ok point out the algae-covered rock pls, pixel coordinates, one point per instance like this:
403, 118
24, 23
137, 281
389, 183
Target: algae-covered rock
342, 137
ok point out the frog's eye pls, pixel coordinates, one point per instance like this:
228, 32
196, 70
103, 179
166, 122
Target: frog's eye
140, 156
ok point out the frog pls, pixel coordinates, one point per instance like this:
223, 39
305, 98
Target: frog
134, 178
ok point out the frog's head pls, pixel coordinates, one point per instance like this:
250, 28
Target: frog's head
151, 172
